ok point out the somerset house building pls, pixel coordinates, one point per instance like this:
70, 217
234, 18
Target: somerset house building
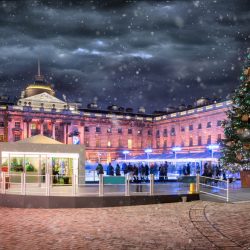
106, 134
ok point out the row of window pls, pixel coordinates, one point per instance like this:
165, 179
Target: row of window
119, 131
191, 142
191, 127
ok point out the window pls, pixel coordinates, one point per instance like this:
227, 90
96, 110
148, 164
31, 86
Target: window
182, 144
182, 129
17, 125
149, 143
98, 143
190, 142
173, 144
109, 130
158, 144
33, 126
119, 131
17, 137
165, 132
1, 138
86, 129
209, 125
158, 133
109, 144
139, 132
1, 124
191, 127
98, 130
219, 123
129, 144
165, 144
219, 138
130, 131
209, 140
199, 141
199, 126
172, 131
149, 132
120, 142
86, 142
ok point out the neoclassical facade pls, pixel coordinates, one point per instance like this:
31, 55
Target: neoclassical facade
107, 133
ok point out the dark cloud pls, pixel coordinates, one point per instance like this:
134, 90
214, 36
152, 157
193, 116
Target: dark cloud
132, 53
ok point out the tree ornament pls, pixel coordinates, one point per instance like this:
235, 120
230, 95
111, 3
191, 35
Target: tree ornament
239, 156
245, 117
246, 133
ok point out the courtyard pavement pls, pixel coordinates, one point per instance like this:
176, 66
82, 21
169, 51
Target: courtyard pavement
192, 225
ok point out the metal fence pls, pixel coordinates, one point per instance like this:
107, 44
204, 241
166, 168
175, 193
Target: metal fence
56, 185
213, 187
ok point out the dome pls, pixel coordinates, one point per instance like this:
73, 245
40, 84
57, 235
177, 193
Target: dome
35, 89
39, 86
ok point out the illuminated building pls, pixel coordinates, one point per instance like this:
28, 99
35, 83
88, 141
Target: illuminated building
107, 133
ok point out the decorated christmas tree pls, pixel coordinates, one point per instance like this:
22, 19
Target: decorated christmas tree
236, 145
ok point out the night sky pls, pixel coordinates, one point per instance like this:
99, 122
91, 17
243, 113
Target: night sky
130, 53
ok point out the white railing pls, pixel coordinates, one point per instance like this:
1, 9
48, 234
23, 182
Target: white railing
213, 187
74, 185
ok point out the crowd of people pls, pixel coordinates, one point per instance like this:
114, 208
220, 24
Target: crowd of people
140, 171
143, 170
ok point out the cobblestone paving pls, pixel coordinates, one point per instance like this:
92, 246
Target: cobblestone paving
194, 225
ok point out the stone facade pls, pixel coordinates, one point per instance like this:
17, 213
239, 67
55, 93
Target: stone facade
106, 133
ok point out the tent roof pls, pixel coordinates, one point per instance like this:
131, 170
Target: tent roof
39, 139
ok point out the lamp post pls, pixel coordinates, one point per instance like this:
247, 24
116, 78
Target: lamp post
212, 147
148, 151
175, 150
125, 152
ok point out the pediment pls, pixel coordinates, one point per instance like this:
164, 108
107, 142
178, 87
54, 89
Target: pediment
43, 97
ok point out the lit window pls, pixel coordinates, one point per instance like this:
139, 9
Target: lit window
129, 144
209, 125
190, 142
109, 130
165, 132
158, 133
17, 137
1, 138
209, 140
199, 141
98, 144
172, 131
109, 144
86, 142
158, 144
17, 124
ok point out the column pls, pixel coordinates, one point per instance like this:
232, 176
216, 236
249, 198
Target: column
82, 134
24, 129
10, 134
28, 129
54, 130
41, 127
65, 133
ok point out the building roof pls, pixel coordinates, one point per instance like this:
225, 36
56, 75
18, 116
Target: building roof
39, 139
